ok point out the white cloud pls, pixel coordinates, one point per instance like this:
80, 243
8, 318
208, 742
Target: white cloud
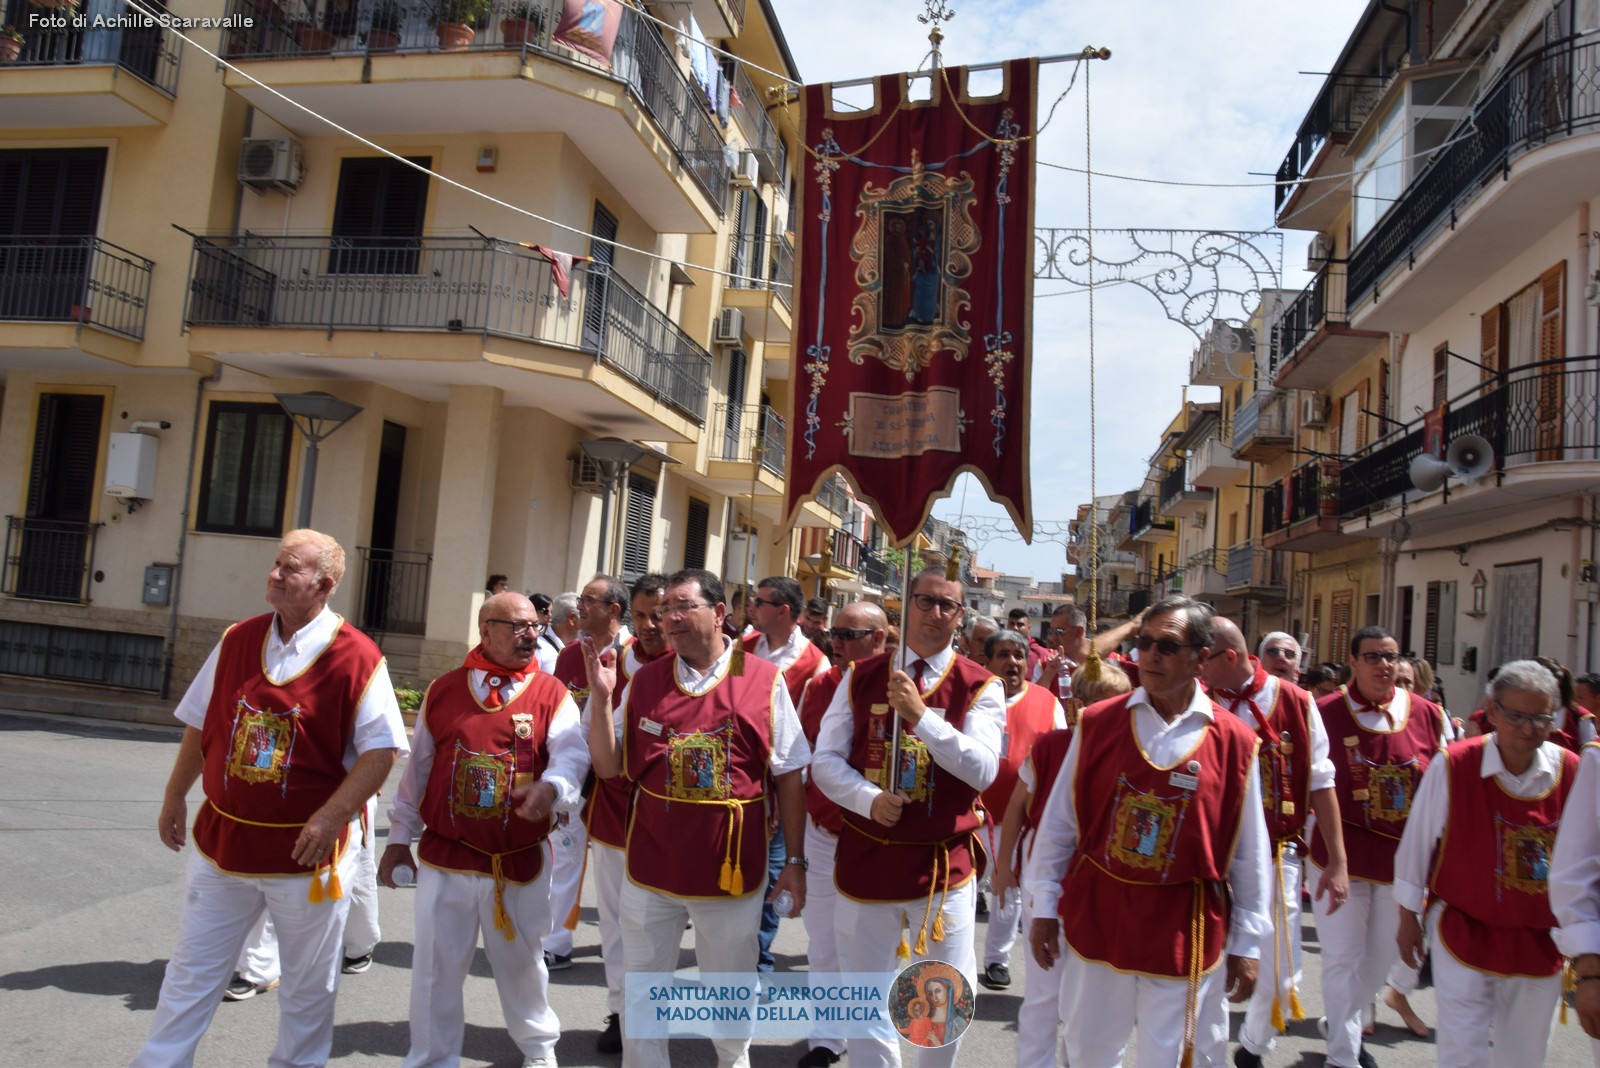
1193, 92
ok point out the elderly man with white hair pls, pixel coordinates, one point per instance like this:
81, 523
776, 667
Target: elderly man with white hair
1280, 655
1477, 850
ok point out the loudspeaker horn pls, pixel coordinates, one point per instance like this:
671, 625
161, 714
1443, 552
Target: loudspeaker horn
1428, 472
1470, 457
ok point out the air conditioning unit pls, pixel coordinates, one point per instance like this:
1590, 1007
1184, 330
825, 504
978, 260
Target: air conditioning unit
1320, 251
1315, 408
729, 329
746, 172
275, 161
584, 474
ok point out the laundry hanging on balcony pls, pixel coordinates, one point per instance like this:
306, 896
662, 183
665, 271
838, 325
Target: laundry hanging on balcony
916, 285
560, 266
590, 27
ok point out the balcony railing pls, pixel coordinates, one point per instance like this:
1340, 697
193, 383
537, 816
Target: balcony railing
394, 590
149, 53
833, 496
67, 279
1343, 105
759, 133
1251, 567
745, 427
1146, 516
1264, 417
49, 559
640, 58
1536, 413
450, 285
765, 264
848, 551
1309, 491
1319, 303
1544, 97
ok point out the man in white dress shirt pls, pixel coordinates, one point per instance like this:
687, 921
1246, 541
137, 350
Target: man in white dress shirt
1575, 888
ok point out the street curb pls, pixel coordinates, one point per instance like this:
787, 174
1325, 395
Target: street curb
75, 703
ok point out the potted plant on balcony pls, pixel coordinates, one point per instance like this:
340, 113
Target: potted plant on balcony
384, 34
339, 18
1328, 489
10, 44
523, 24
457, 22
311, 37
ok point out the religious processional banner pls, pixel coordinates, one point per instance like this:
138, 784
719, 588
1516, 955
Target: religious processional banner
912, 329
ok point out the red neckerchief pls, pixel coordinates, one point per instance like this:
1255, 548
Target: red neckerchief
1247, 695
498, 676
1359, 700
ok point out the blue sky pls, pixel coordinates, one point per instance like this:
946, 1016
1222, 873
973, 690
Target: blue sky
1193, 92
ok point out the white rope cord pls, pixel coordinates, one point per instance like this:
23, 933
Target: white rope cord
1094, 518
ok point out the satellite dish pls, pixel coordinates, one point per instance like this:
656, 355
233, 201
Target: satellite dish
1428, 472
1470, 457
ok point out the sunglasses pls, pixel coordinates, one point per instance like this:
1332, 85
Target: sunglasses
848, 634
1165, 646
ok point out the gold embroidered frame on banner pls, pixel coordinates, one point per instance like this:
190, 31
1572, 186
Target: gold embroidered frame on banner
479, 784
698, 766
262, 743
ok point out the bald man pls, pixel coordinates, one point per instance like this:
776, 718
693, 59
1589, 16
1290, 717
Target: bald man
1296, 775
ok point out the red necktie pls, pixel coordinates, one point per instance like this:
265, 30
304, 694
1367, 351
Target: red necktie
917, 668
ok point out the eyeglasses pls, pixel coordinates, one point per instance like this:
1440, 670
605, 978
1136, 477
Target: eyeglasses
586, 599
765, 603
1543, 721
519, 627
927, 602
848, 634
1381, 658
1165, 646
682, 608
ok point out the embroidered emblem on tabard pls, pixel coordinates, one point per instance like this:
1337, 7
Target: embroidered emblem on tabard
1142, 836
480, 784
697, 766
1389, 793
263, 742
1524, 860
916, 766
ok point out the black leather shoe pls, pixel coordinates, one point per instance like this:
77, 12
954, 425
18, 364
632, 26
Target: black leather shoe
820, 1057
995, 977
610, 1039
1366, 1059
1243, 1058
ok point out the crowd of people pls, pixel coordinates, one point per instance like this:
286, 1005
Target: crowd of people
1146, 810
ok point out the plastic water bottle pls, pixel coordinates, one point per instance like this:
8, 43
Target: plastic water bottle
783, 904
404, 875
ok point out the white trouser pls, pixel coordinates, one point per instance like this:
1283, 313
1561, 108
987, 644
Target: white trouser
258, 960
568, 843
822, 900
218, 912
1281, 943
609, 874
1358, 949
724, 941
1475, 1008
1039, 1016
1404, 978
868, 937
1100, 1008
1004, 919
452, 909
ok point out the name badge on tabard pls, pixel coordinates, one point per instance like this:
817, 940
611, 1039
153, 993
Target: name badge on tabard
1188, 778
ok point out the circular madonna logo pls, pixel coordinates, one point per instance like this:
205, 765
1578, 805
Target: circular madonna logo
930, 1003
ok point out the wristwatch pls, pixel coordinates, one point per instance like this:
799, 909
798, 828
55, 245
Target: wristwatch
804, 866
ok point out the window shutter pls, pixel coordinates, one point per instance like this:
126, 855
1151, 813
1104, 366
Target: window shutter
1491, 340
66, 448
636, 528
1447, 624
1430, 625
1383, 396
1552, 347
695, 529
380, 203
604, 254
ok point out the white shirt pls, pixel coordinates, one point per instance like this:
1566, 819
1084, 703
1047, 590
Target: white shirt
377, 724
787, 653
567, 766
971, 754
1056, 840
1430, 813
1322, 770
1575, 864
790, 751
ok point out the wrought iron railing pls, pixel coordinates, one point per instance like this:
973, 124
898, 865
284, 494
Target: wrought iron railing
1250, 566
848, 550
1536, 413
1265, 415
878, 572
49, 559
769, 265
640, 58
1320, 302
747, 427
394, 590
74, 279
1146, 516
1176, 483
82, 655
1546, 96
149, 53
833, 496
1343, 105
445, 284
759, 133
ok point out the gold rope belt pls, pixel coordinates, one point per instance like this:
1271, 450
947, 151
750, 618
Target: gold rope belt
315, 893
731, 879
502, 918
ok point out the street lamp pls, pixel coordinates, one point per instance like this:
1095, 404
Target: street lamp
316, 416
612, 457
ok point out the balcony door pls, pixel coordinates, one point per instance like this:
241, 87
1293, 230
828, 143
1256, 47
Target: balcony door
49, 208
602, 254
61, 492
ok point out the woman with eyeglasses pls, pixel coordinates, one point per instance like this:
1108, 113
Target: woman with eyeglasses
1477, 850
1574, 725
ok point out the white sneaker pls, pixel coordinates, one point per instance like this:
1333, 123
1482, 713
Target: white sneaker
540, 1062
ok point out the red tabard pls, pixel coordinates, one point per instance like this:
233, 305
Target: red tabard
1376, 774
934, 846
605, 810
1049, 750
797, 674
1495, 884
1146, 843
824, 813
1285, 756
572, 672
466, 804
274, 753
1566, 737
1032, 714
701, 769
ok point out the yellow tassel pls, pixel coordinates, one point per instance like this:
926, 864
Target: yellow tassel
1563, 1010
1188, 1056
1297, 1011
922, 942
314, 895
737, 889
736, 661
335, 886
938, 927
1277, 1017
903, 950
725, 880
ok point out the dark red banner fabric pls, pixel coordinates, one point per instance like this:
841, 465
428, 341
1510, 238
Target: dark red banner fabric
912, 318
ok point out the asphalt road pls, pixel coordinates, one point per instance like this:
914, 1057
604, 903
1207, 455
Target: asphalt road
91, 913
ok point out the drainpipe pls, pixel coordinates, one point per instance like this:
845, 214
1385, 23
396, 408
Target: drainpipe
1577, 554
170, 653
1405, 13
